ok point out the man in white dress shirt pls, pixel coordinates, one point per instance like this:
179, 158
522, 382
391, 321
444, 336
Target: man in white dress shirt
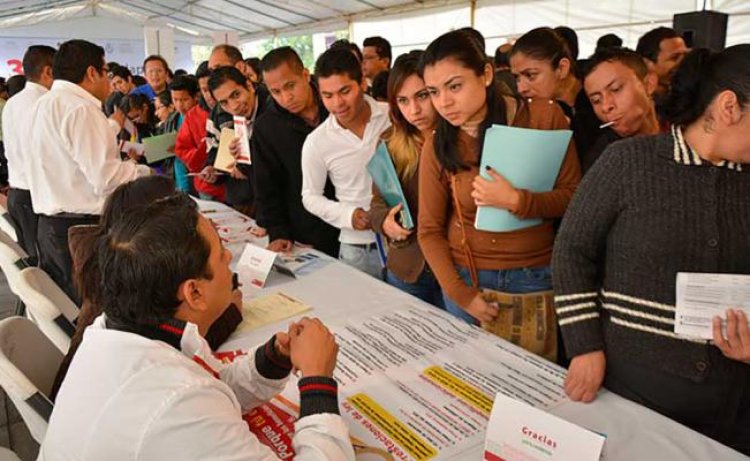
76, 162
144, 384
17, 133
339, 149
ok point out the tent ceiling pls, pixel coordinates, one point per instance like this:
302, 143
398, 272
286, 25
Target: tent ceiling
250, 18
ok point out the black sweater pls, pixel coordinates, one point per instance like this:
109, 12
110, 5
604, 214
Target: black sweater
648, 209
239, 191
277, 149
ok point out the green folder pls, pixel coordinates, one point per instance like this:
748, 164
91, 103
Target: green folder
158, 147
385, 177
528, 159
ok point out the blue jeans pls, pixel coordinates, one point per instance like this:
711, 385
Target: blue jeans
510, 281
425, 288
365, 259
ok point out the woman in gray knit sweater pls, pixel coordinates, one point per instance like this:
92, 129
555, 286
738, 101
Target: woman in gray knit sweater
649, 208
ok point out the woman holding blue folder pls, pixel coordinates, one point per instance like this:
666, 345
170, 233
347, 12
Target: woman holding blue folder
412, 117
467, 260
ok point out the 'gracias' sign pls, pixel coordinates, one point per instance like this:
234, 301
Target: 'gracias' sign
519, 432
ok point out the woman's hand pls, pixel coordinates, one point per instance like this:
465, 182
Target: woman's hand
497, 192
391, 228
481, 309
736, 344
585, 376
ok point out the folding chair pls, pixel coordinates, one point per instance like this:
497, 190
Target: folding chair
28, 365
48, 306
5, 224
13, 259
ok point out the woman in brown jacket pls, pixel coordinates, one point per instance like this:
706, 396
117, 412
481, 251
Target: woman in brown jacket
462, 88
413, 118
82, 242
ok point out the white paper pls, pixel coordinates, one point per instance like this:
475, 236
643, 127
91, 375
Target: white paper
240, 131
127, 146
701, 297
255, 264
129, 126
520, 432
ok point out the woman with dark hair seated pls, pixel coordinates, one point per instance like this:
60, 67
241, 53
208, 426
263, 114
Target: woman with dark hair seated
123, 200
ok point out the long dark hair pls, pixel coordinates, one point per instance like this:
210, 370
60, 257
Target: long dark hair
702, 75
544, 44
465, 49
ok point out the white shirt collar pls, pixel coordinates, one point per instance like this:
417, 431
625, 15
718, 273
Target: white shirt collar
376, 111
64, 85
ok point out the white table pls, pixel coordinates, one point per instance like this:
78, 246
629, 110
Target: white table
340, 294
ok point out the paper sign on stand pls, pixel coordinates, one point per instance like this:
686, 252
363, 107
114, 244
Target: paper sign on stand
240, 132
519, 432
255, 264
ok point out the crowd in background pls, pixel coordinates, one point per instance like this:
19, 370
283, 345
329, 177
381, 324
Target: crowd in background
652, 183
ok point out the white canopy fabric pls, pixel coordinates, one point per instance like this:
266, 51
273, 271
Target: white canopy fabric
250, 18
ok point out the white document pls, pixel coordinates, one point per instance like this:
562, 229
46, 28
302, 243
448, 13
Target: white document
519, 432
127, 146
255, 264
240, 131
701, 297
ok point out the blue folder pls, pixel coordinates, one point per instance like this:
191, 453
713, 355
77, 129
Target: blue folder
528, 159
386, 179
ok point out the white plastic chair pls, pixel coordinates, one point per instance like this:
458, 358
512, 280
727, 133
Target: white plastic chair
48, 306
28, 365
5, 224
12, 260
7, 455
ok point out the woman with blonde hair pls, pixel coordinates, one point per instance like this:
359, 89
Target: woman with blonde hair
412, 117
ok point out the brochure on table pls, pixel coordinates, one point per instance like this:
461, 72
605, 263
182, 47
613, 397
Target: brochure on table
407, 392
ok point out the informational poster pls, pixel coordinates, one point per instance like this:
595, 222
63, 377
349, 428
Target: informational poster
408, 392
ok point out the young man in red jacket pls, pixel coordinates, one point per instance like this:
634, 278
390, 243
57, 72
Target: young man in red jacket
191, 147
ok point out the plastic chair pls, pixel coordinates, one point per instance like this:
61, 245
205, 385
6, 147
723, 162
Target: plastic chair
12, 260
5, 224
7, 455
48, 306
28, 365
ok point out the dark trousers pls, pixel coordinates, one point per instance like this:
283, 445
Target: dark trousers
24, 220
54, 254
718, 407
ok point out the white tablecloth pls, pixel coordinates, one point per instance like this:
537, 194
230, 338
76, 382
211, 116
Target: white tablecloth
340, 294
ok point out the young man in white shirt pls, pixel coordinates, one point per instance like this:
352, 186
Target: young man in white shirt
17, 133
76, 161
158, 392
339, 149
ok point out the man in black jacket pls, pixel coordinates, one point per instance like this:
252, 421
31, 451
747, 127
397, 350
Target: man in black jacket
294, 111
235, 95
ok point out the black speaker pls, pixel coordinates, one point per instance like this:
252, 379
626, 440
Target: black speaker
703, 29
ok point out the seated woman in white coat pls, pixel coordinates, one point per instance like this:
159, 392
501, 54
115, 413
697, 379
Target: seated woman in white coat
144, 384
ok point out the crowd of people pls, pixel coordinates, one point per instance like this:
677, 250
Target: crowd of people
652, 183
